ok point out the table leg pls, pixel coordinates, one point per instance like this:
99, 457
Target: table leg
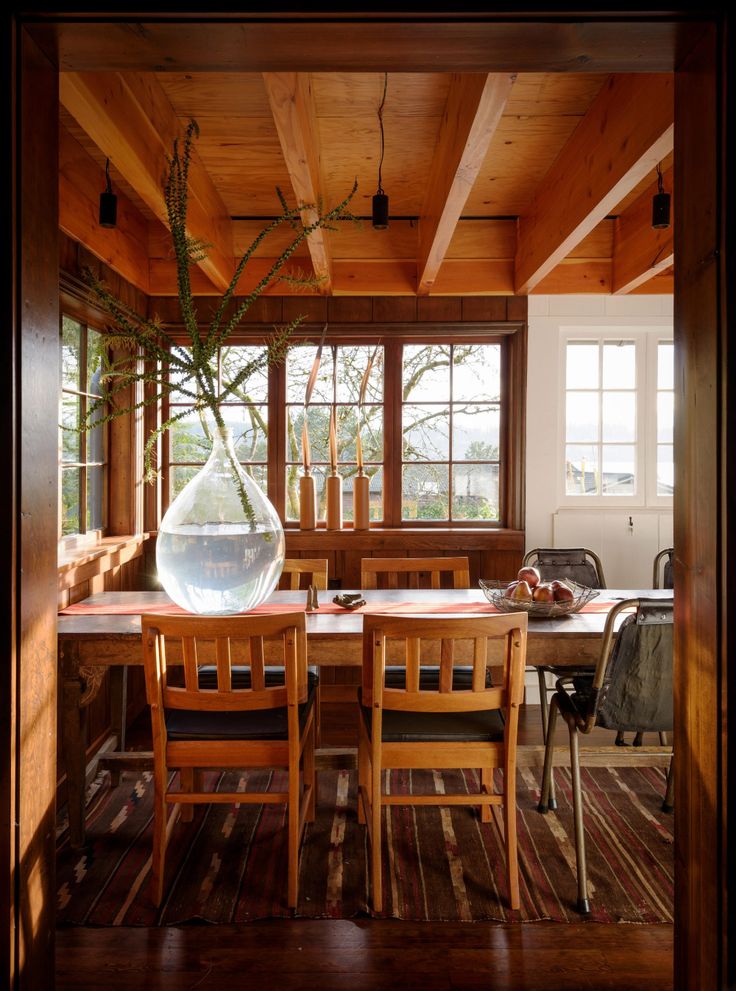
74, 719
118, 710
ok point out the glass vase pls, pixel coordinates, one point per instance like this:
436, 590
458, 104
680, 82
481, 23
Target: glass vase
220, 547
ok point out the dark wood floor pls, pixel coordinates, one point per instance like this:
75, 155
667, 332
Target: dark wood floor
285, 955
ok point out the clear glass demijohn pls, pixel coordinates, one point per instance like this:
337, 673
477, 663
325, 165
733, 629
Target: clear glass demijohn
220, 546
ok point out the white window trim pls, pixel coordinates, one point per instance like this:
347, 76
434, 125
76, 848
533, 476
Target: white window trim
646, 340
653, 340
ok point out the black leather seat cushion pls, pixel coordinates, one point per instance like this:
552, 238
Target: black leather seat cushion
240, 676
459, 727
255, 724
429, 677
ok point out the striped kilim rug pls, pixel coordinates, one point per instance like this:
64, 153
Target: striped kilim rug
229, 864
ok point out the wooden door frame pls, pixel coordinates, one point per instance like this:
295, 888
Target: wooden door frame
707, 411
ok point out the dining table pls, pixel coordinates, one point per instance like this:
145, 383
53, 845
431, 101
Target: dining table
103, 633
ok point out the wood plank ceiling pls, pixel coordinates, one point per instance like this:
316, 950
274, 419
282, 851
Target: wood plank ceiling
497, 183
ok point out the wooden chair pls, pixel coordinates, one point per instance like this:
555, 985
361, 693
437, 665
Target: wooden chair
406, 572
314, 571
668, 578
229, 714
454, 720
631, 689
577, 564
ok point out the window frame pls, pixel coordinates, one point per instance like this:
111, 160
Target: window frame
82, 537
511, 336
645, 341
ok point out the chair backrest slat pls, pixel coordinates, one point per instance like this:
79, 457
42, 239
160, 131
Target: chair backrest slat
447, 660
480, 654
222, 656
405, 572
413, 645
257, 666
191, 671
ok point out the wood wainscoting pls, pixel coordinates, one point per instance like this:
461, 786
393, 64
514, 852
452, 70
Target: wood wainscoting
490, 553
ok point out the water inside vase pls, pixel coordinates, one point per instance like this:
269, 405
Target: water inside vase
212, 556
218, 568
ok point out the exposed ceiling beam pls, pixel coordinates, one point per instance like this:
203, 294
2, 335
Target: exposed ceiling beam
292, 107
474, 107
81, 180
639, 251
131, 121
626, 132
401, 42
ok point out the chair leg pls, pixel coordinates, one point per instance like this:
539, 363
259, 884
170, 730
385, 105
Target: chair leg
544, 706
544, 703
509, 822
186, 776
318, 716
486, 782
310, 778
668, 804
364, 781
158, 858
545, 801
293, 829
577, 800
376, 808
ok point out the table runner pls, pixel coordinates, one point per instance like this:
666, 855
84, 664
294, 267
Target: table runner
135, 607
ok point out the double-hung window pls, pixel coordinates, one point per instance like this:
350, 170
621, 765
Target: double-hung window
82, 454
618, 413
432, 416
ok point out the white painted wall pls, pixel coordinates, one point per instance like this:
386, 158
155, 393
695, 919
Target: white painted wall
626, 553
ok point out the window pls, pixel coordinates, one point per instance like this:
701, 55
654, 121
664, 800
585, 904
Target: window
82, 461
433, 425
613, 389
450, 416
246, 414
338, 384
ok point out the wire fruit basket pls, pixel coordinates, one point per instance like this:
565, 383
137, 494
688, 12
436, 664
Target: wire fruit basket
495, 592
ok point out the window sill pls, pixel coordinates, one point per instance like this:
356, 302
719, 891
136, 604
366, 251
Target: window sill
78, 564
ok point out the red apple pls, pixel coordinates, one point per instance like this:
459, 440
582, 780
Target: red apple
563, 592
522, 592
510, 588
530, 575
543, 593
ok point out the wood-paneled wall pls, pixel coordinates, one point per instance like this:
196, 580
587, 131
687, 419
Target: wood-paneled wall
491, 553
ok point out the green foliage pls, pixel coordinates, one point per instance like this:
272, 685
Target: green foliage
148, 354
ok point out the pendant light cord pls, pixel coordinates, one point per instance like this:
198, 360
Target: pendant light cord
380, 124
660, 184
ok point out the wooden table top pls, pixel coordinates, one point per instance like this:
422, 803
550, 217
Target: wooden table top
343, 625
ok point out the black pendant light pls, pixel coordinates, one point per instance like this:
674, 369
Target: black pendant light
380, 200
108, 202
660, 205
